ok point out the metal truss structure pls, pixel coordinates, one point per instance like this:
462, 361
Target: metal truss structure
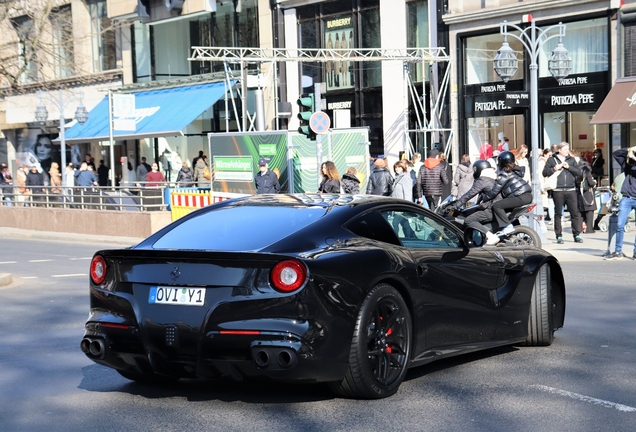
426, 56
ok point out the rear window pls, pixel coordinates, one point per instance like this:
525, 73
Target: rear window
242, 228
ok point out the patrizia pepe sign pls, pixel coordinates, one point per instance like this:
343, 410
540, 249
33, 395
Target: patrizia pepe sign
574, 93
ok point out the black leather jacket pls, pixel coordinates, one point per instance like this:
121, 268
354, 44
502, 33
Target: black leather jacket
509, 184
380, 182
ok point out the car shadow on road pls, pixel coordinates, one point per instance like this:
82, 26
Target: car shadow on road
253, 390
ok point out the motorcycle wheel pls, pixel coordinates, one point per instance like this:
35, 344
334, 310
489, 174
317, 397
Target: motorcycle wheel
524, 236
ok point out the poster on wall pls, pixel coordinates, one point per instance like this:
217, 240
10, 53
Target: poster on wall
34, 148
339, 35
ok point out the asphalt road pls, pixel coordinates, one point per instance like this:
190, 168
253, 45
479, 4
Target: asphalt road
584, 382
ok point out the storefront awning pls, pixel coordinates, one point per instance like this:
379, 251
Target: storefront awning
619, 105
164, 112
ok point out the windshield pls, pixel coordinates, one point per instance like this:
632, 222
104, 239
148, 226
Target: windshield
241, 228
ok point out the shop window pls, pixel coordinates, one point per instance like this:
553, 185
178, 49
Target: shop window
587, 43
480, 53
142, 52
417, 34
102, 37
27, 61
371, 71
62, 39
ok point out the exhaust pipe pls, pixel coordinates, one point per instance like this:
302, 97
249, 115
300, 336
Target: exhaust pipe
262, 358
93, 348
287, 358
85, 345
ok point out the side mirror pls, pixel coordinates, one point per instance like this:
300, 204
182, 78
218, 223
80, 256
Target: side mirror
474, 238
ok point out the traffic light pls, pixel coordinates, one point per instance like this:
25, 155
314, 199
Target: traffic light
306, 107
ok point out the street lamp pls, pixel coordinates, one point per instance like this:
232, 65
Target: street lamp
559, 65
41, 114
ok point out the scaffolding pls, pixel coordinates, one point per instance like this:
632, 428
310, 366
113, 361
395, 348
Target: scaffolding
428, 57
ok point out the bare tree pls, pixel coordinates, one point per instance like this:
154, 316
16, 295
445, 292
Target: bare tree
39, 42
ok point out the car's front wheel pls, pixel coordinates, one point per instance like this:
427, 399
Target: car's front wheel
540, 319
381, 346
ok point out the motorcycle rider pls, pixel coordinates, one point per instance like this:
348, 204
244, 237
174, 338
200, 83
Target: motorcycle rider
514, 190
485, 177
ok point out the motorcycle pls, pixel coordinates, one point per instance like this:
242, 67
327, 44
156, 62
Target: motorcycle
522, 235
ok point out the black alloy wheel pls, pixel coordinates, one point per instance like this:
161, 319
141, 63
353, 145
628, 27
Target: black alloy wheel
381, 346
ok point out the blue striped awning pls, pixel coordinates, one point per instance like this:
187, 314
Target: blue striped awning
164, 112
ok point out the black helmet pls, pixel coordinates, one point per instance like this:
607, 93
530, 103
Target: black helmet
479, 166
504, 159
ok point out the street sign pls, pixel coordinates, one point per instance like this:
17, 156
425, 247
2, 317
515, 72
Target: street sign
319, 122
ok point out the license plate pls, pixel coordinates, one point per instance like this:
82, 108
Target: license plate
177, 296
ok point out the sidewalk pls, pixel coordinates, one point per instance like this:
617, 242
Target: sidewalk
69, 237
592, 248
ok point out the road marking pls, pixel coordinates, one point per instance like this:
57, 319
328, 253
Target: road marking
84, 258
583, 398
41, 260
29, 277
8, 262
70, 275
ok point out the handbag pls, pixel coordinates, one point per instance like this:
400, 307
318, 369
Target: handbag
551, 182
206, 173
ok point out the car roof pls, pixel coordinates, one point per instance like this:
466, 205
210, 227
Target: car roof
315, 199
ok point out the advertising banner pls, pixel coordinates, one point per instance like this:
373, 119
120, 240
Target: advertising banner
339, 35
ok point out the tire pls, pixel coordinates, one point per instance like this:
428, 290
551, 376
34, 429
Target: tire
540, 318
147, 378
381, 347
524, 236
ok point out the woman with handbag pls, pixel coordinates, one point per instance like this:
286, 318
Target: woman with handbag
585, 195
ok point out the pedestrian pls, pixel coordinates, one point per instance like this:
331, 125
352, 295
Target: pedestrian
132, 175
266, 180
626, 159
585, 196
563, 163
6, 186
416, 162
515, 192
142, 171
84, 176
380, 179
330, 179
521, 159
90, 161
546, 195
102, 174
185, 178
350, 181
166, 163
23, 192
448, 187
35, 182
463, 179
403, 184
431, 179
598, 164
55, 178
199, 170
154, 178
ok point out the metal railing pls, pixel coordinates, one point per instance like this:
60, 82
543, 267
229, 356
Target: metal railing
128, 198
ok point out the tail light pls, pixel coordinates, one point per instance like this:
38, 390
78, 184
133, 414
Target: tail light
98, 269
288, 275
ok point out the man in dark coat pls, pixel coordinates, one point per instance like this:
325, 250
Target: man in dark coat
35, 178
431, 179
102, 174
380, 180
266, 180
568, 171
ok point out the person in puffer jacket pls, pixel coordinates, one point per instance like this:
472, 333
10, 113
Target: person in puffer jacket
431, 179
380, 180
350, 182
514, 190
